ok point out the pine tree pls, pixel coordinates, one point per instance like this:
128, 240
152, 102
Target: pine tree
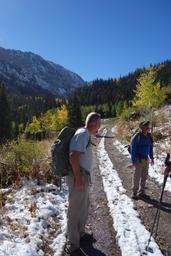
5, 119
74, 112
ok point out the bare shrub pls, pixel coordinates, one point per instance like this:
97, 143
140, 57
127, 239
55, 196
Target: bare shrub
157, 135
160, 119
25, 158
125, 130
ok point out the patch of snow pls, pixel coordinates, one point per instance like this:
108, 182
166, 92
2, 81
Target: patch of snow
62, 91
32, 216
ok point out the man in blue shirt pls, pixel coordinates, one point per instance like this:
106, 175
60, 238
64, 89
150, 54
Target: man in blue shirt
141, 151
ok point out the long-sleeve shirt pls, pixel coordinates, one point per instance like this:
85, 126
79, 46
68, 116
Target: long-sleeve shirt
141, 147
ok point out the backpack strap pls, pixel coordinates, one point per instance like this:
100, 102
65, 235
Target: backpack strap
150, 136
139, 135
90, 142
138, 138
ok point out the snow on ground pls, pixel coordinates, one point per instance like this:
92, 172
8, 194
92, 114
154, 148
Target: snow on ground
35, 215
32, 216
155, 171
132, 235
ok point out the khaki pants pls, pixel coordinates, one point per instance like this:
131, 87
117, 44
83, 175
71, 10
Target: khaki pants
77, 210
140, 175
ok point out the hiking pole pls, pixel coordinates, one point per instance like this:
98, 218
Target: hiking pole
160, 203
166, 174
157, 216
104, 136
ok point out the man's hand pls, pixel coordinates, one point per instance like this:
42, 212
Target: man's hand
75, 163
134, 164
152, 161
79, 183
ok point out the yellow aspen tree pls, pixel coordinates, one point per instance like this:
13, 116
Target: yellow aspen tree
63, 115
149, 94
34, 127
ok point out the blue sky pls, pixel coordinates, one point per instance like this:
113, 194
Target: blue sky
94, 38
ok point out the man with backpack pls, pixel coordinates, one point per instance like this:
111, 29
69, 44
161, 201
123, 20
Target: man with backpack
78, 184
141, 150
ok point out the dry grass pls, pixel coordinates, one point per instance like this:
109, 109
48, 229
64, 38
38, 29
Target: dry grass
161, 126
124, 130
26, 158
160, 119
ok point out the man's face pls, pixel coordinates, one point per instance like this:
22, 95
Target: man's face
95, 126
145, 128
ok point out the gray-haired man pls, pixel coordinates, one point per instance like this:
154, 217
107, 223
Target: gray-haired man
78, 184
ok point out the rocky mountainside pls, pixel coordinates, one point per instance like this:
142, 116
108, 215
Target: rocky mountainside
25, 72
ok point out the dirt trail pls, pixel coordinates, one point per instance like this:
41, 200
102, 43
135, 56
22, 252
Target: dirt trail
100, 221
147, 209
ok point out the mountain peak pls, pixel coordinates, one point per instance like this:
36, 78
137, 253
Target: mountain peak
29, 69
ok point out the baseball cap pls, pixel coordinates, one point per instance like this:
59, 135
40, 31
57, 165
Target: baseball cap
144, 123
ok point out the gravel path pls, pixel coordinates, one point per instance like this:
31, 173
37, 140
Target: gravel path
100, 221
146, 208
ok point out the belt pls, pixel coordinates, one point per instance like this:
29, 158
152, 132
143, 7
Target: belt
142, 157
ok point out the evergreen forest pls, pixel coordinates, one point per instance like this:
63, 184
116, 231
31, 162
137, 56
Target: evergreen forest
37, 116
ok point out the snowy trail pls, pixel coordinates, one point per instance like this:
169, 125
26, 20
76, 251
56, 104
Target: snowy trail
132, 235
